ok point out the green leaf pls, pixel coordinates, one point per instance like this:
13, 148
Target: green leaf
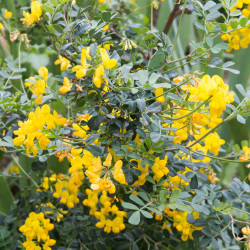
135, 218
241, 119
174, 196
213, 15
237, 148
144, 196
6, 197
235, 13
223, 26
141, 104
209, 5
232, 4
142, 76
155, 137
37, 165
95, 122
199, 25
96, 150
154, 210
147, 214
209, 41
241, 89
198, 198
163, 195
54, 2
234, 23
157, 60
150, 179
194, 182
182, 207
154, 108
136, 200
47, 8
58, 28
148, 36
243, 21
130, 206
106, 16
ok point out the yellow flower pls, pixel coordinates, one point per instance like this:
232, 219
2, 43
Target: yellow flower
37, 86
107, 62
65, 63
159, 91
43, 72
7, 14
66, 86
100, 175
36, 9
28, 18
246, 155
105, 28
246, 230
97, 78
81, 70
34, 16
14, 169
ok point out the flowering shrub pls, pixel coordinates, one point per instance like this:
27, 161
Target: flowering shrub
111, 144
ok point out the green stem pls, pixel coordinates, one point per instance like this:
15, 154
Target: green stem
28, 176
213, 129
203, 54
193, 111
152, 15
177, 86
179, 28
219, 158
19, 66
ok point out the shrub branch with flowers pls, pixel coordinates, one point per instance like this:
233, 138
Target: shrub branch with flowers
116, 147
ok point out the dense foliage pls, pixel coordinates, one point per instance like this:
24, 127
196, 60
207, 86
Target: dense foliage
115, 144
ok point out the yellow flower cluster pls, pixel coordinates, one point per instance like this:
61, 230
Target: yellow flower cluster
212, 91
100, 174
81, 131
34, 16
111, 219
239, 38
105, 63
36, 230
37, 85
32, 129
181, 224
67, 187
215, 89
159, 168
246, 155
